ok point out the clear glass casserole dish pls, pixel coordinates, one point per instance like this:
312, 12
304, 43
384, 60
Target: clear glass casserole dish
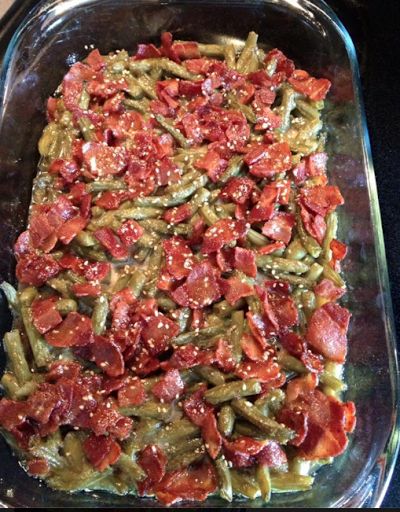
59, 32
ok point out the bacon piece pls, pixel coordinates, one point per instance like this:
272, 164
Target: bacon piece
101, 451
237, 190
266, 161
329, 291
154, 461
179, 257
157, 332
102, 160
314, 88
321, 199
169, 387
45, 315
224, 356
265, 371
223, 232
251, 347
213, 164
35, 270
202, 287
245, 261
75, 329
110, 241
280, 227
272, 455
234, 289
327, 331
86, 290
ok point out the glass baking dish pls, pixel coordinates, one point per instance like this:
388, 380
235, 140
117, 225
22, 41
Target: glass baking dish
59, 32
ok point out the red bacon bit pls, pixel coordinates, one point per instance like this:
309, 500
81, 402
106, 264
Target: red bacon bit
156, 333
223, 232
327, 331
251, 347
107, 356
212, 437
86, 290
169, 387
147, 51
280, 227
242, 451
178, 214
265, 161
179, 257
321, 200
339, 250
237, 190
70, 229
110, 241
265, 371
245, 261
310, 167
196, 409
103, 160
328, 290
101, 451
297, 347
188, 356
35, 270
271, 248
224, 356
279, 307
315, 88
131, 393
107, 420
45, 315
38, 467
154, 461
296, 420
75, 329
194, 483
202, 287
273, 456
213, 164
129, 232
284, 66
234, 289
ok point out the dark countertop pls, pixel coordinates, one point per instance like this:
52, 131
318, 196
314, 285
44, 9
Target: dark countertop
373, 26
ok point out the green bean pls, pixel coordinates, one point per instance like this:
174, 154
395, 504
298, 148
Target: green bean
288, 103
290, 363
171, 129
271, 403
295, 251
28, 295
330, 234
255, 305
86, 239
333, 382
270, 427
14, 390
231, 390
102, 185
236, 334
208, 214
244, 484
211, 375
86, 128
311, 245
306, 109
126, 464
141, 106
152, 271
183, 321
246, 110
100, 314
194, 336
65, 306
40, 349
162, 227
62, 286
308, 302
146, 65
314, 272
146, 84
224, 479
73, 451
248, 60
165, 303
139, 213
16, 356
270, 263
178, 431
189, 453
11, 295
234, 167
226, 420
331, 274
290, 482
257, 238
296, 280
224, 309
152, 410
230, 56
264, 481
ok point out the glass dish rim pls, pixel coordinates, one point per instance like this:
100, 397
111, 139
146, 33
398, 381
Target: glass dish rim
392, 445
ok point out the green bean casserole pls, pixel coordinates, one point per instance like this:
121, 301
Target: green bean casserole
176, 328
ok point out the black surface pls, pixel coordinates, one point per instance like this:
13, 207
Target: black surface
374, 28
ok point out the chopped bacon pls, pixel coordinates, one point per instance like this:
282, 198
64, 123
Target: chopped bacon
213, 164
103, 160
263, 370
271, 248
107, 355
156, 333
321, 200
178, 214
86, 290
188, 356
224, 356
75, 329
129, 232
196, 409
212, 437
242, 451
154, 461
112, 243
279, 307
45, 315
280, 227
179, 257
38, 467
35, 270
314, 88
147, 51
284, 66
251, 347
202, 287
273, 456
169, 387
328, 290
193, 483
223, 232
266, 161
237, 190
245, 261
101, 451
234, 289
327, 331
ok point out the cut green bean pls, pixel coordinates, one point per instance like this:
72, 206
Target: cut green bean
224, 479
231, 390
264, 481
100, 314
226, 420
16, 356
